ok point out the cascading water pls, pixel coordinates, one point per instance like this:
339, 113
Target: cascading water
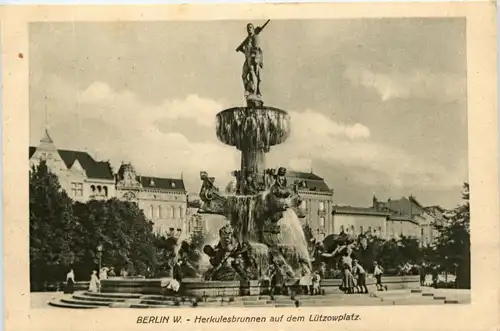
292, 235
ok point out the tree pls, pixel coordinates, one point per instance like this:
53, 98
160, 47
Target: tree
53, 226
452, 248
165, 254
410, 250
123, 231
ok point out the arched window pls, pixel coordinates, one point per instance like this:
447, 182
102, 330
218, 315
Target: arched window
353, 231
151, 211
321, 206
92, 188
370, 230
361, 230
171, 212
341, 228
322, 222
159, 211
181, 216
105, 191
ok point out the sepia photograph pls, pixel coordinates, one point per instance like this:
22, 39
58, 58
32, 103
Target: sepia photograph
258, 166
229, 163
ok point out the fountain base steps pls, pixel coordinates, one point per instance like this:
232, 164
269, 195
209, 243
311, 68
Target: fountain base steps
426, 297
88, 300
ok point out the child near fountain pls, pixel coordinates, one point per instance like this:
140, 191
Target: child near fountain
316, 288
378, 272
360, 273
305, 281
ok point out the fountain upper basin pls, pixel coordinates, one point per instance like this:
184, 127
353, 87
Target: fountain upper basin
253, 127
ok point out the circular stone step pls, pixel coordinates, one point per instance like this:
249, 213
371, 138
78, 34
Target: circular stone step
60, 304
84, 297
112, 295
85, 303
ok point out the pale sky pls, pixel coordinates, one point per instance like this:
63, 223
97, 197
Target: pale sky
378, 106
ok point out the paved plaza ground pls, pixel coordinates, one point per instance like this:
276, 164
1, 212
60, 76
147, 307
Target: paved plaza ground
428, 296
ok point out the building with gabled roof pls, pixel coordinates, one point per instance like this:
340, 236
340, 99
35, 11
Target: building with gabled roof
163, 200
79, 174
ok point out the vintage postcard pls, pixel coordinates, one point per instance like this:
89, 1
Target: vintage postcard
257, 166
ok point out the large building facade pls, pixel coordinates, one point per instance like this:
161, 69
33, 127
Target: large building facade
81, 176
392, 219
163, 200
317, 202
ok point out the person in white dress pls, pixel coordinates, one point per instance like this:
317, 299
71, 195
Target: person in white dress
103, 273
94, 282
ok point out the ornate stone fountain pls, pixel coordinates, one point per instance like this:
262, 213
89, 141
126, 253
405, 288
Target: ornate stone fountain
264, 228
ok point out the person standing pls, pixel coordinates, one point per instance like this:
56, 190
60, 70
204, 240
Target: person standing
305, 282
103, 273
111, 272
348, 283
316, 283
423, 273
435, 276
94, 282
378, 272
70, 282
359, 271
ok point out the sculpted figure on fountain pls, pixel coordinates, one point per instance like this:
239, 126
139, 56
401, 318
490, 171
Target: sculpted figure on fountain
253, 64
230, 259
212, 201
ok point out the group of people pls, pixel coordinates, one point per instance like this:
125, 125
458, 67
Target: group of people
310, 282
354, 268
354, 274
95, 279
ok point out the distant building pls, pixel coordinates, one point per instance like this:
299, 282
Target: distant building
358, 220
317, 201
390, 220
163, 200
409, 216
81, 176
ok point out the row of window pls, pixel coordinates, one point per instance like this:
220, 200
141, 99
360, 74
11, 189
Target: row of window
77, 190
352, 230
321, 205
99, 190
166, 212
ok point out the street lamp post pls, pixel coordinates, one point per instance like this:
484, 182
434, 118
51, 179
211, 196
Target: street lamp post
99, 255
